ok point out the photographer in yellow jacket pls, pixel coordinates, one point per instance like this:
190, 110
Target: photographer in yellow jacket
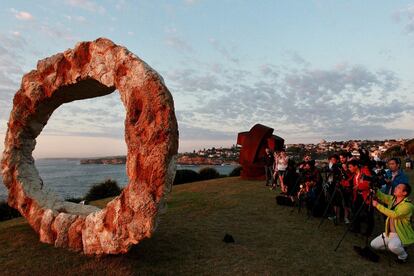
398, 230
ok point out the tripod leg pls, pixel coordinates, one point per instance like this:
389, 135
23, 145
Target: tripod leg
341, 194
294, 190
350, 225
327, 207
316, 203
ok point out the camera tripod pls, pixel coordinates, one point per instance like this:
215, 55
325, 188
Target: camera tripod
337, 190
322, 192
300, 194
295, 187
316, 203
370, 197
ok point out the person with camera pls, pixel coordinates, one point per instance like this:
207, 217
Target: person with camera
398, 231
334, 191
291, 181
310, 186
361, 205
301, 165
346, 184
393, 176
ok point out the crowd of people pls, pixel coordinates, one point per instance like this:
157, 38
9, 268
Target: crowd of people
348, 189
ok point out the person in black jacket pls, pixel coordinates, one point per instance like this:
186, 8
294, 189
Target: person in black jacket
310, 181
334, 192
268, 161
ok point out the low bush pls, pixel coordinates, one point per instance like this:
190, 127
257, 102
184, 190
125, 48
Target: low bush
208, 173
108, 188
185, 176
7, 212
236, 171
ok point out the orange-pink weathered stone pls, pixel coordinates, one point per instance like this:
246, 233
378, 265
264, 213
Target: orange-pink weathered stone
93, 69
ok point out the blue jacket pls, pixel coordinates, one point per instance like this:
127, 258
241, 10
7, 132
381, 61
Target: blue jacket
401, 177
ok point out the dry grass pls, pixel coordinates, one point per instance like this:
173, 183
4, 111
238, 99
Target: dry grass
270, 239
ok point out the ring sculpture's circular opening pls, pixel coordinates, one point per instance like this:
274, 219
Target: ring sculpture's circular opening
93, 69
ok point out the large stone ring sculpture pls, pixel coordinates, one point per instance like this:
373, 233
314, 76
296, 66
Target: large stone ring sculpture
93, 69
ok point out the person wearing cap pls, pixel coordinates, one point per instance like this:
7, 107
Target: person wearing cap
398, 231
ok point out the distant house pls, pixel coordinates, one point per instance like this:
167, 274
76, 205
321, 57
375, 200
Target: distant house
355, 153
382, 148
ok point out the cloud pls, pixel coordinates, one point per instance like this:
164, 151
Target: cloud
11, 63
226, 53
56, 32
189, 132
22, 15
98, 117
192, 81
76, 18
345, 101
176, 42
406, 16
296, 58
86, 5
268, 70
120, 4
191, 2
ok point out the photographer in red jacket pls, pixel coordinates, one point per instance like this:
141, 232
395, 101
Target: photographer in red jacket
346, 184
361, 190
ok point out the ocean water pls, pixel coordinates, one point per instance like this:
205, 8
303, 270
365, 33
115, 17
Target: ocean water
67, 178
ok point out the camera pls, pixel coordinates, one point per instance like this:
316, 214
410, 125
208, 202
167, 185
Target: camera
375, 181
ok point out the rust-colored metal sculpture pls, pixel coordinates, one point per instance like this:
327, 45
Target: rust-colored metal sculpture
254, 143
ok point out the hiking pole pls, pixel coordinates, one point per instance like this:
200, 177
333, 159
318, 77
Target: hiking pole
327, 207
351, 224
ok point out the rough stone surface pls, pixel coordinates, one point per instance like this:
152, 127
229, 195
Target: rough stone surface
93, 69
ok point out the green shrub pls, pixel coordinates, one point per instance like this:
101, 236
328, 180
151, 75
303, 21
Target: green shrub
108, 188
409, 147
236, 171
7, 212
185, 176
208, 173
394, 151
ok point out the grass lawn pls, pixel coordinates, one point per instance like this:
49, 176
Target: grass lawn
270, 239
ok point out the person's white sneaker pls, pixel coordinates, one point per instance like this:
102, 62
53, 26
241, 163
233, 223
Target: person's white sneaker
332, 218
347, 221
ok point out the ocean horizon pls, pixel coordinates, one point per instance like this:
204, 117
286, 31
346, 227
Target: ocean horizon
68, 178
